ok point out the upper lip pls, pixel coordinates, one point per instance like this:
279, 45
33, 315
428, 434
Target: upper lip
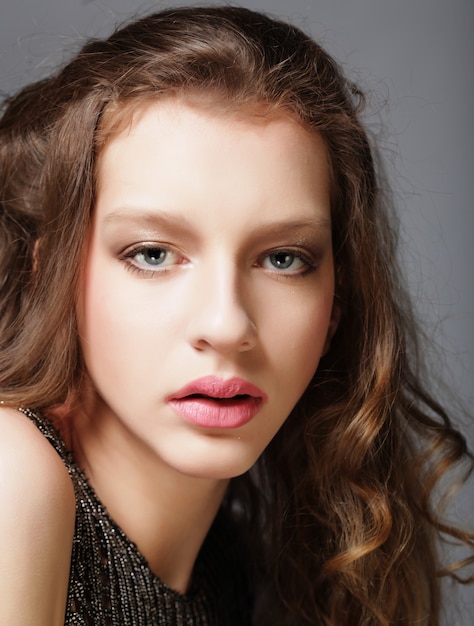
214, 387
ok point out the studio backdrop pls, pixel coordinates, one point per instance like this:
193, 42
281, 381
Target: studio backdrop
414, 58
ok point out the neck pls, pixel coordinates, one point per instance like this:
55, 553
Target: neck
165, 513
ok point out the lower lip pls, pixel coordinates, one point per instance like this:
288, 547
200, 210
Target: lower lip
210, 413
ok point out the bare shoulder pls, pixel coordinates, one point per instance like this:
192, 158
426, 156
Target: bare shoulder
36, 524
29, 464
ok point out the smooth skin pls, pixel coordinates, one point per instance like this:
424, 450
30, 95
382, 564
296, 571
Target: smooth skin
36, 525
210, 255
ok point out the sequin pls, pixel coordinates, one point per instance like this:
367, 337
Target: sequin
110, 583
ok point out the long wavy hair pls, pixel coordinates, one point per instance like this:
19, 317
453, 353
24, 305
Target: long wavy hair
337, 514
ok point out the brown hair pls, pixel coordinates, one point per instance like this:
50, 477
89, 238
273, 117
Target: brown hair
337, 512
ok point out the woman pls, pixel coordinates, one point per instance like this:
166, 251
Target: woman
201, 313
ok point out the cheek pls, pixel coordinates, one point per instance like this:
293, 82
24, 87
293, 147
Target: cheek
128, 329
112, 308
108, 322
298, 325
294, 342
307, 345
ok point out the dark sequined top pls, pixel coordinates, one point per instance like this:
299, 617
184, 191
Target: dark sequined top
110, 583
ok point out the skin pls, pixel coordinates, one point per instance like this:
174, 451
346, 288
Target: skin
36, 525
218, 196
236, 210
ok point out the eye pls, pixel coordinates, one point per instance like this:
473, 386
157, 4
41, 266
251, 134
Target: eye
150, 259
288, 262
153, 257
283, 260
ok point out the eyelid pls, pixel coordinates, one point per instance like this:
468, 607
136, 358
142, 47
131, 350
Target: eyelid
308, 258
128, 254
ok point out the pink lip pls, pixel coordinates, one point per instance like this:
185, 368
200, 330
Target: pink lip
212, 402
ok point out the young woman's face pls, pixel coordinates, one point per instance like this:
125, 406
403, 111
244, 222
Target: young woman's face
208, 285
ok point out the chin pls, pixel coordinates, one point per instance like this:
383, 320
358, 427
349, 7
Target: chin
217, 469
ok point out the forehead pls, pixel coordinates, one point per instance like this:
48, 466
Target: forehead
120, 120
119, 116
229, 171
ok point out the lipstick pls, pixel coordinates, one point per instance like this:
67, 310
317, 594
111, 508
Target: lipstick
211, 402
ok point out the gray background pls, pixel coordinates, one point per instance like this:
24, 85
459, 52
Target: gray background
415, 58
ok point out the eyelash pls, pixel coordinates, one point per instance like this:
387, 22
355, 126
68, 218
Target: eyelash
128, 256
306, 259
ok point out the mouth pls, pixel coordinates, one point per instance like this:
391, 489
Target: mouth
202, 396
211, 402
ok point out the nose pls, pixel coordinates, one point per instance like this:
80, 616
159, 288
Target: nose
220, 319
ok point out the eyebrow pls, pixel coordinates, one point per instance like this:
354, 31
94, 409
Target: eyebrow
148, 218
157, 219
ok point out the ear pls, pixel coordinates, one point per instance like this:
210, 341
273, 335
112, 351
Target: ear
333, 325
